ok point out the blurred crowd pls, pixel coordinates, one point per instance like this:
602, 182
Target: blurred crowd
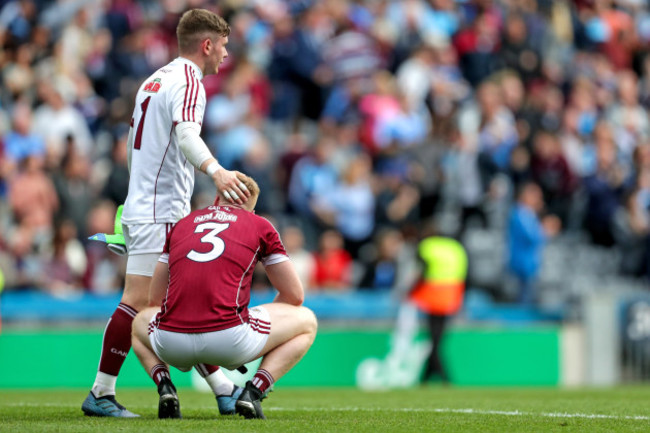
360, 119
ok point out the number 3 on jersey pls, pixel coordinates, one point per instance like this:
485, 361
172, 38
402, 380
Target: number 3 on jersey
218, 245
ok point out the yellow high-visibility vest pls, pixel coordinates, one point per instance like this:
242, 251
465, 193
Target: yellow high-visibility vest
441, 288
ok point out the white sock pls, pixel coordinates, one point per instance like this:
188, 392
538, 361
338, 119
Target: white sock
219, 383
104, 384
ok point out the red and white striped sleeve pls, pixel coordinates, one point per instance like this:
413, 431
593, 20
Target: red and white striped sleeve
188, 103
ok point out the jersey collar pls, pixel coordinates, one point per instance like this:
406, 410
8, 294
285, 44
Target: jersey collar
193, 66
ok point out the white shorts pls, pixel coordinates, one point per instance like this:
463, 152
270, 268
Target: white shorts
144, 243
229, 348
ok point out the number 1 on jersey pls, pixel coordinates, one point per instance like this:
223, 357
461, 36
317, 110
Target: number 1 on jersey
218, 245
138, 134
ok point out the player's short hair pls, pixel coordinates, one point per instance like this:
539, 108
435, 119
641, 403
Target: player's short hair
250, 183
253, 188
194, 26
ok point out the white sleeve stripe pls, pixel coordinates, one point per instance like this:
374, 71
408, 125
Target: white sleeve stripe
164, 258
193, 86
274, 259
190, 113
196, 96
187, 88
189, 102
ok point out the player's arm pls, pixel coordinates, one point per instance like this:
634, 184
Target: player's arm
198, 154
159, 282
284, 278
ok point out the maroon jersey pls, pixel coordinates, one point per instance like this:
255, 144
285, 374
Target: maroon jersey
211, 255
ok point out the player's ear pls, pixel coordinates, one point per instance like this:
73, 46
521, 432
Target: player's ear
206, 45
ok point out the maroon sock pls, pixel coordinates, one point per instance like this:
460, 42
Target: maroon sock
206, 370
159, 372
262, 380
117, 340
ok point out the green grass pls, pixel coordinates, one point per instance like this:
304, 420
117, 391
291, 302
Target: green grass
432, 409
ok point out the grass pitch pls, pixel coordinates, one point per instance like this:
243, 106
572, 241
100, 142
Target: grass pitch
623, 409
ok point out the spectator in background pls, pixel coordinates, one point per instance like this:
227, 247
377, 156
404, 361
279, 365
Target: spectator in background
477, 45
613, 31
377, 108
449, 88
414, 75
333, 264
308, 69
631, 229
397, 201
603, 190
73, 189
28, 262
551, 171
382, 273
517, 51
639, 175
117, 183
312, 176
629, 120
33, 199
56, 120
20, 142
303, 260
489, 128
543, 112
463, 177
231, 122
295, 148
67, 265
527, 233
349, 206
257, 163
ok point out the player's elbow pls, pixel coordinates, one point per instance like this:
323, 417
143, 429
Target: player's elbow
292, 297
299, 299
296, 299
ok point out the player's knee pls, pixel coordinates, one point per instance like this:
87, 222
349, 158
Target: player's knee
139, 322
309, 321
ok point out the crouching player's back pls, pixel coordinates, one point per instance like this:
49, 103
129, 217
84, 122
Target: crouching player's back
202, 283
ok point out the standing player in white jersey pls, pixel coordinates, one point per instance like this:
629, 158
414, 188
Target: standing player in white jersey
164, 149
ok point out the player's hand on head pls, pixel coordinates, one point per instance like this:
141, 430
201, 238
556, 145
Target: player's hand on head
231, 187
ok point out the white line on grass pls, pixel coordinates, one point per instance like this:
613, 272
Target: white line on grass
381, 409
467, 411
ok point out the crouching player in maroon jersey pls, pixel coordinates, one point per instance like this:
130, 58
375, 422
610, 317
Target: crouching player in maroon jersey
200, 294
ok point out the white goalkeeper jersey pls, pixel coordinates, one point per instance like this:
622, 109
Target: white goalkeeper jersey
162, 179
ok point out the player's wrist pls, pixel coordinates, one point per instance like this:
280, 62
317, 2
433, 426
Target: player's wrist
212, 168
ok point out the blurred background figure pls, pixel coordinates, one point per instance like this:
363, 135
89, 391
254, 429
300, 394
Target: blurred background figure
333, 264
303, 260
527, 234
439, 292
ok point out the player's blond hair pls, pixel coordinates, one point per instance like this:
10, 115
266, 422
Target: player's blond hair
253, 188
195, 25
250, 183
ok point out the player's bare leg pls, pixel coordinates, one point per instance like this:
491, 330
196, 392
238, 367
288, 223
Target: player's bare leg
168, 404
115, 347
293, 330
